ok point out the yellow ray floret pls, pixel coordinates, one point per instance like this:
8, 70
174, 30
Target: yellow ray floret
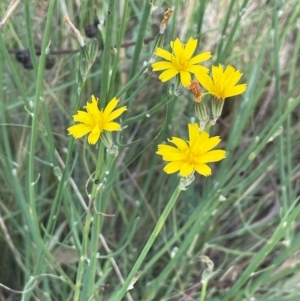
193, 155
223, 83
95, 121
180, 62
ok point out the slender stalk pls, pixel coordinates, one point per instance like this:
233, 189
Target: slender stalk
38, 98
203, 290
229, 40
281, 144
119, 41
149, 112
139, 41
160, 223
53, 216
132, 81
84, 256
100, 205
30, 35
107, 53
286, 221
14, 75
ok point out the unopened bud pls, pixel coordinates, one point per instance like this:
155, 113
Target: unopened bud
195, 88
217, 107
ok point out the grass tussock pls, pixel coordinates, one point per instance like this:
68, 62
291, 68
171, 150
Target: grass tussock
103, 221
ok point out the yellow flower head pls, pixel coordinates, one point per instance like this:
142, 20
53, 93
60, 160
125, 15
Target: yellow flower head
223, 83
181, 62
191, 156
95, 121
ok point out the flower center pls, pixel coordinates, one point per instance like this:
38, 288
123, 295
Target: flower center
182, 64
100, 121
190, 156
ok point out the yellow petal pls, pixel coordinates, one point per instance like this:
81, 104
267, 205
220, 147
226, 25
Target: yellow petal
94, 99
79, 130
197, 70
186, 169
163, 54
116, 114
84, 117
239, 89
163, 149
173, 167
206, 81
168, 74
193, 133
180, 143
174, 157
190, 48
204, 56
217, 72
203, 169
200, 143
110, 106
212, 156
92, 108
94, 136
231, 76
210, 144
111, 126
177, 49
170, 153
185, 78
162, 65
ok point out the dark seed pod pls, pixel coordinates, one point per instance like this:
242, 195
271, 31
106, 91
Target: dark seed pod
28, 65
23, 56
50, 62
38, 50
91, 31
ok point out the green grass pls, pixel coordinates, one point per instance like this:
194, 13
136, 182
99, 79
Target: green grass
244, 217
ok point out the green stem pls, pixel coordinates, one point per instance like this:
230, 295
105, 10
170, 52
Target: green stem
98, 219
115, 67
149, 112
149, 243
39, 96
203, 290
53, 216
30, 35
84, 256
107, 53
132, 81
13, 73
139, 41
281, 143
31, 174
286, 221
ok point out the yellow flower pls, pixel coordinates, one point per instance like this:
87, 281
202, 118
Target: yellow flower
180, 61
95, 121
223, 83
191, 156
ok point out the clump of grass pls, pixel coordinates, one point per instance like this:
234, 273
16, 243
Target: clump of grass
75, 219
